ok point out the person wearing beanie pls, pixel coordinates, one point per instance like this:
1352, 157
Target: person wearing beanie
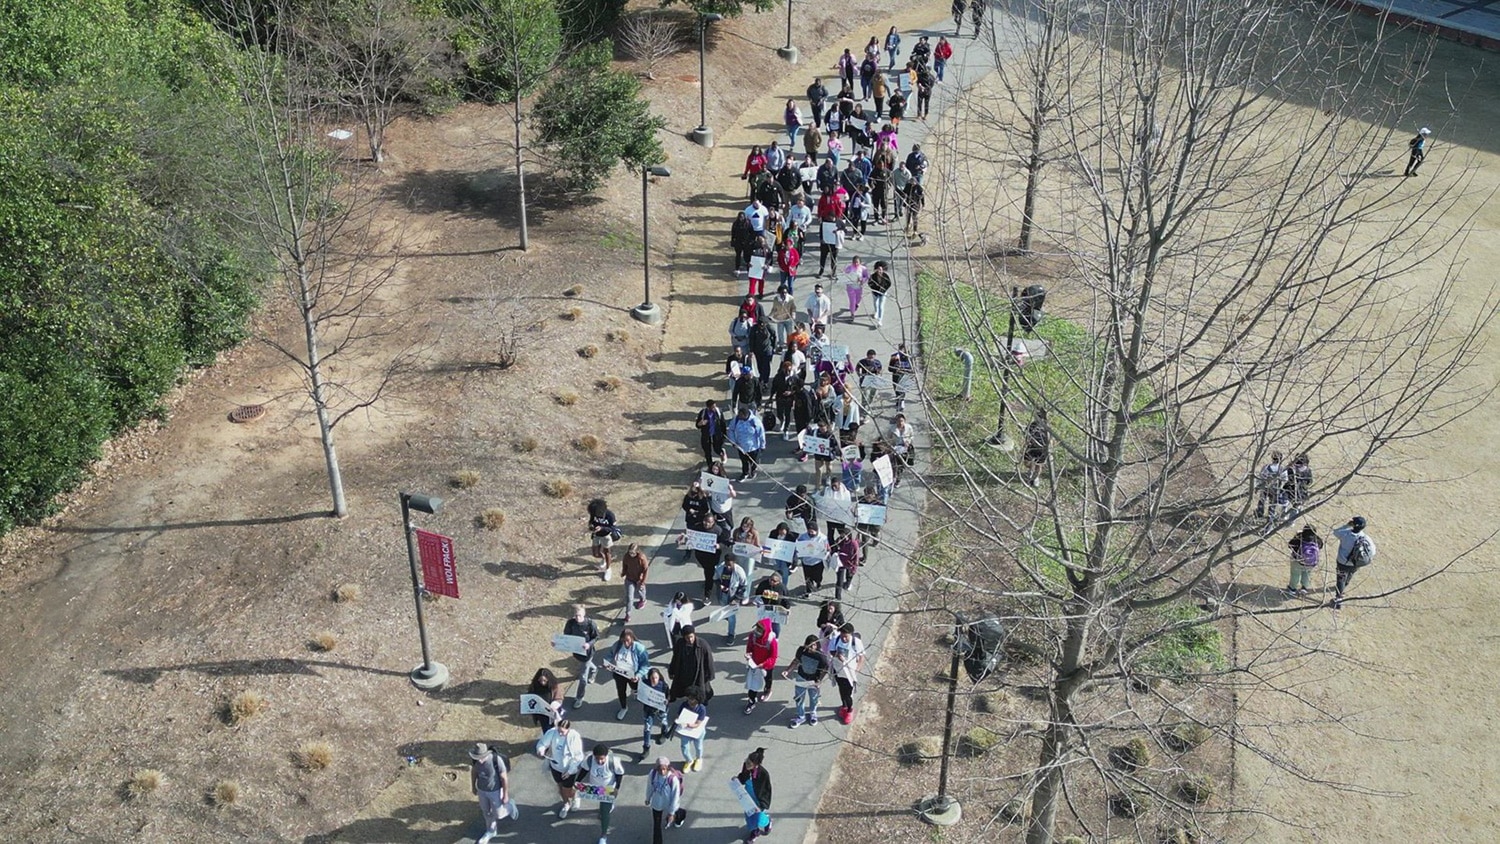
664, 796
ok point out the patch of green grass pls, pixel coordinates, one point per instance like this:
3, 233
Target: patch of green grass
619, 240
1183, 653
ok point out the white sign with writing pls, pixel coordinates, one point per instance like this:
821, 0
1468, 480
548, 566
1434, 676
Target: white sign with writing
747, 803
778, 615
884, 470
830, 232
808, 174
701, 540
871, 514
818, 446
781, 549
535, 705
651, 697
836, 353
685, 719
570, 644
757, 267
746, 549
851, 452
815, 548
714, 483
875, 382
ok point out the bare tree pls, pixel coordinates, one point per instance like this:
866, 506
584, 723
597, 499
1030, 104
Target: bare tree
650, 38
317, 221
374, 58
1236, 265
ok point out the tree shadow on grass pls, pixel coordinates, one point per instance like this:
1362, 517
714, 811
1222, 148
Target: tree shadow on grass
244, 668
487, 194
443, 821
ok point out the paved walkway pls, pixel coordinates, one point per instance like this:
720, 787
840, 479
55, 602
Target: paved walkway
800, 761
1467, 21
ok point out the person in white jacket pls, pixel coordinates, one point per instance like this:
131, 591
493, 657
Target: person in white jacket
603, 770
664, 796
819, 307
562, 748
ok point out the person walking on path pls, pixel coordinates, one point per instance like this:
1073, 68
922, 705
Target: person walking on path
1356, 550
710, 425
692, 667
651, 715
489, 780
846, 66
792, 117
817, 95
562, 749
734, 591
819, 306
811, 666
1037, 447
959, 7
756, 781
664, 796
880, 287
633, 568
545, 685
1307, 548
628, 661
856, 274
692, 732
847, 653
940, 55
742, 240
748, 434
761, 651
892, 47
584, 627
1418, 147
900, 368
603, 770
604, 533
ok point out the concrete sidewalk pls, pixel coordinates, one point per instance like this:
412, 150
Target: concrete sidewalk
1475, 22
800, 761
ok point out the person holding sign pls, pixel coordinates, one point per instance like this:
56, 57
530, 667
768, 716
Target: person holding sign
812, 552
490, 782
692, 723
627, 660
781, 543
904, 444
848, 655
601, 777
652, 692
812, 666
837, 506
771, 592
582, 626
677, 616
869, 529
761, 650
900, 367
545, 685
562, 749
746, 546
755, 780
733, 590
709, 558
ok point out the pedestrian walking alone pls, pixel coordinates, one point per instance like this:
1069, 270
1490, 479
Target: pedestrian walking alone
604, 532
1418, 147
633, 567
489, 780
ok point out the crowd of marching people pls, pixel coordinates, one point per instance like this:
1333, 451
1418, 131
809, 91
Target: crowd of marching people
792, 396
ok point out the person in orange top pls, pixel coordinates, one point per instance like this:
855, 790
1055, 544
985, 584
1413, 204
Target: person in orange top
799, 338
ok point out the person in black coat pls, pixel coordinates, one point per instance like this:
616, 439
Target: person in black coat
691, 668
742, 238
757, 782
784, 389
763, 347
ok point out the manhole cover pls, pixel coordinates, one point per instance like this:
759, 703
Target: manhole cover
247, 413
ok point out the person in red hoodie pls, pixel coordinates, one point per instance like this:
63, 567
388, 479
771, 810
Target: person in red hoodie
761, 650
941, 55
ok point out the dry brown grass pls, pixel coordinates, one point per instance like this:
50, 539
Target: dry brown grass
589, 443
575, 290
566, 398
557, 488
588, 351
244, 706
314, 755
920, 750
572, 314
346, 593
607, 385
225, 793
465, 479
323, 641
527, 444
493, 518
143, 783
617, 335
537, 327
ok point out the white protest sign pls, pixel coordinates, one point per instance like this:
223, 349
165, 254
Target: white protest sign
701, 540
814, 548
651, 697
778, 615
626, 671
535, 705
722, 613
875, 382
757, 267
837, 510
884, 470
871, 514
836, 353
685, 718
747, 802
808, 174
597, 793
850, 452
570, 644
714, 483
746, 549
780, 549
830, 232
819, 446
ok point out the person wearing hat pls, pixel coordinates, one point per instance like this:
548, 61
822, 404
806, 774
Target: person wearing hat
1356, 550
1418, 147
603, 770
489, 781
664, 796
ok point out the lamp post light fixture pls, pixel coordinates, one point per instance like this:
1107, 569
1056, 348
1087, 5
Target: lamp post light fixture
704, 136
647, 311
430, 675
788, 52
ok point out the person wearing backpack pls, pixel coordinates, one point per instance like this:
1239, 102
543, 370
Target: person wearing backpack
603, 770
1307, 548
489, 780
1356, 550
664, 796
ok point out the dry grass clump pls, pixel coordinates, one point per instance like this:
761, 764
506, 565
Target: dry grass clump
143, 783
527, 444
588, 351
617, 335
557, 488
346, 593
572, 314
323, 641
607, 385
493, 518
567, 398
575, 290
920, 750
993, 703
1128, 804
466, 479
1131, 756
1187, 736
225, 793
314, 755
1196, 789
589, 443
244, 706
977, 742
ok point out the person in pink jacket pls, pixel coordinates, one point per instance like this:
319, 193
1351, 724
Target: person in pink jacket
761, 650
855, 276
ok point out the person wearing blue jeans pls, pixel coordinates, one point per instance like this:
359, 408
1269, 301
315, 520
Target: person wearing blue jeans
892, 46
656, 718
757, 783
811, 666
692, 746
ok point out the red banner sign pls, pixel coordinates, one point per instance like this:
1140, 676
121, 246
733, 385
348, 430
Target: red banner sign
439, 575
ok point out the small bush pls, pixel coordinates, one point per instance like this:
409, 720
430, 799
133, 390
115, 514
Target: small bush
244, 706
1196, 789
314, 756
1128, 804
1131, 756
567, 398
617, 335
1073, 839
589, 443
588, 351
557, 488
527, 444
225, 793
467, 479
143, 783
493, 518
919, 750
324, 641
1016, 811
607, 385
1187, 736
572, 314
993, 703
575, 290
978, 741
537, 327
346, 593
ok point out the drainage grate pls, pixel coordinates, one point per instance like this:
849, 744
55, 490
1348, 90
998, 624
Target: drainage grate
247, 413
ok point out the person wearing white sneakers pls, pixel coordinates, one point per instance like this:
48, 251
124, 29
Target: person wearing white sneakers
489, 781
604, 533
629, 661
664, 796
562, 748
603, 770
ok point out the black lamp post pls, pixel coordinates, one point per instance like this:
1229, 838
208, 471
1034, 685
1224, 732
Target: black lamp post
647, 311
788, 52
704, 136
430, 675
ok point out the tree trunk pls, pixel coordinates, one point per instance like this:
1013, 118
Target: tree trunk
1033, 177
1059, 741
521, 181
320, 400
